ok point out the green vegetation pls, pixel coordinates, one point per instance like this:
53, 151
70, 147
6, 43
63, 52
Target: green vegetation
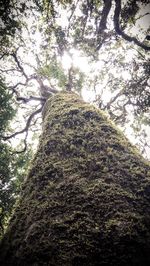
6, 186
12, 166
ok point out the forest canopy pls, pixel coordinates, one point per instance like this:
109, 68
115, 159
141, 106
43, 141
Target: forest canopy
99, 49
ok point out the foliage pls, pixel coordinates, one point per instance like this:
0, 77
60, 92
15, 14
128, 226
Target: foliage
55, 72
12, 166
6, 113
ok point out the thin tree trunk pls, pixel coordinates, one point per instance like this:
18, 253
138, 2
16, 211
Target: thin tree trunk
86, 199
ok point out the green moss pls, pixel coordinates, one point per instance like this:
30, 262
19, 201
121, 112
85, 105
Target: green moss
86, 198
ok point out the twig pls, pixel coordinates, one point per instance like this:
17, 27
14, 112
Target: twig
13, 88
9, 70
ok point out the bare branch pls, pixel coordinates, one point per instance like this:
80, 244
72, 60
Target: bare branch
44, 89
3, 55
142, 16
24, 148
120, 93
31, 98
26, 128
14, 55
13, 88
120, 32
9, 70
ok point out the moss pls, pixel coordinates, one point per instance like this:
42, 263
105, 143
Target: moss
86, 199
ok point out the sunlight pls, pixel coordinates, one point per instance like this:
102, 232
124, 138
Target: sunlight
77, 60
66, 61
88, 95
143, 21
126, 75
81, 62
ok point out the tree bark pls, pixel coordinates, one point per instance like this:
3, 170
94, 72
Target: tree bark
86, 199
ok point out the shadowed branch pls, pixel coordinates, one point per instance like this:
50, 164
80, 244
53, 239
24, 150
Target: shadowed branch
120, 32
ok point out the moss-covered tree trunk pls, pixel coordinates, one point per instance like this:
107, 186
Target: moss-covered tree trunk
86, 199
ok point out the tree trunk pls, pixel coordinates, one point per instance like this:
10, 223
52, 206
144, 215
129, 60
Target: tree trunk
86, 199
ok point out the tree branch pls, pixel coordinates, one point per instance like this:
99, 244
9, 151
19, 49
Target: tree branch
3, 55
26, 128
45, 90
113, 99
13, 88
14, 55
101, 35
105, 12
24, 148
9, 70
31, 98
120, 32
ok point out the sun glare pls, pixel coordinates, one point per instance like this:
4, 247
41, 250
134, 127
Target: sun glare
77, 60
66, 61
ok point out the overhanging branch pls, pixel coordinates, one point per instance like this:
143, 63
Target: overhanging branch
120, 32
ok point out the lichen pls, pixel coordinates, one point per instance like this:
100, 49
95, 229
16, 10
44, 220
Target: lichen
86, 199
